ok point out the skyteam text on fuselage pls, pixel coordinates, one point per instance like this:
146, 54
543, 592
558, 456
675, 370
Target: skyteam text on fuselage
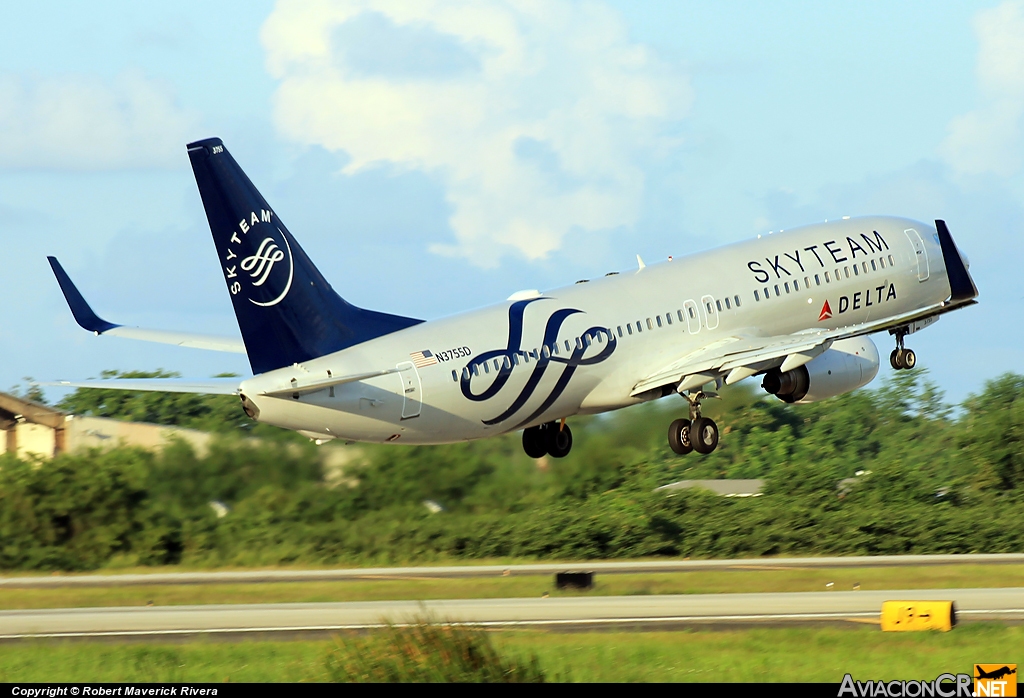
795, 308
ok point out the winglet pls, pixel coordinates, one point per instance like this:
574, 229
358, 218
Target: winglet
961, 285
84, 315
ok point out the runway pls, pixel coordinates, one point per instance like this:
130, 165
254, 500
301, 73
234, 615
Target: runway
263, 576
577, 612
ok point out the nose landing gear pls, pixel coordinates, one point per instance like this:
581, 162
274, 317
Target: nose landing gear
698, 433
901, 357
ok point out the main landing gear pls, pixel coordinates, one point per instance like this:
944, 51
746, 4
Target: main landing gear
552, 439
902, 357
697, 433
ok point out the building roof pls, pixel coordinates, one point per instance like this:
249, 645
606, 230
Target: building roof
14, 409
726, 488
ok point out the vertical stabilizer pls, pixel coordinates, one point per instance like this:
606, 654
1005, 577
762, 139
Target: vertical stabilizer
286, 310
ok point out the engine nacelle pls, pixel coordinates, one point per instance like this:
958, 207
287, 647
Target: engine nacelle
847, 365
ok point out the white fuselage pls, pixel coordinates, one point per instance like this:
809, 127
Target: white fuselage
582, 349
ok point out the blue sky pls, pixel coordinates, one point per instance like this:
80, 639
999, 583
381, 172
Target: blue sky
437, 156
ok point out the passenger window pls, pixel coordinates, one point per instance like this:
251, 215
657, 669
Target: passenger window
545, 352
515, 359
856, 271
777, 291
507, 362
455, 376
827, 280
796, 285
757, 296
476, 369
892, 262
680, 314
847, 271
487, 367
881, 261
668, 318
650, 324
807, 282
737, 299
727, 307
719, 304
619, 329
465, 374
865, 266
786, 285
658, 320
629, 328
817, 280
692, 312
766, 294
567, 347
639, 326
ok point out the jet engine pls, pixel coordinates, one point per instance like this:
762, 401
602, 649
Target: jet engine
847, 365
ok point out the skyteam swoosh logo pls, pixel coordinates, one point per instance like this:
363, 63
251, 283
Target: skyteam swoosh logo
265, 276
545, 360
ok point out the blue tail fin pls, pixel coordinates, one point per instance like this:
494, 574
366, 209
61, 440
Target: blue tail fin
286, 310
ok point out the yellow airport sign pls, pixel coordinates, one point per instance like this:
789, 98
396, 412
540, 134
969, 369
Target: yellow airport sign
918, 615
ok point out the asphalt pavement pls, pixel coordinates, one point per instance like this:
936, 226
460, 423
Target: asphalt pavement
575, 612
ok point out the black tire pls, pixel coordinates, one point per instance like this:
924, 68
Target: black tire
909, 358
559, 440
679, 436
899, 359
704, 435
894, 360
534, 442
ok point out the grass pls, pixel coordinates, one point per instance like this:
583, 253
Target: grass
699, 582
752, 655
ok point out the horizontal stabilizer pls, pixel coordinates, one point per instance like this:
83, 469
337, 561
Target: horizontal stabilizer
89, 320
208, 386
298, 388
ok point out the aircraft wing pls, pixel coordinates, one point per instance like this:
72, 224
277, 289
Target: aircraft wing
89, 320
209, 386
741, 356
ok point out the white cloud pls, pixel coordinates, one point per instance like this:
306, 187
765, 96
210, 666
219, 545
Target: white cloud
988, 139
536, 115
80, 122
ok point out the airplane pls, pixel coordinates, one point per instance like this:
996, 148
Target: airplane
794, 308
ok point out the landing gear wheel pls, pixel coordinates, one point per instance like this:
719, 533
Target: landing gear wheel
534, 442
909, 358
704, 435
894, 360
559, 440
679, 436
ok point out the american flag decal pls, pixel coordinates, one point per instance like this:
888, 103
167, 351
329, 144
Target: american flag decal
423, 358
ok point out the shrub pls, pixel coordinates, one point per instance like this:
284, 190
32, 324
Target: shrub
427, 651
